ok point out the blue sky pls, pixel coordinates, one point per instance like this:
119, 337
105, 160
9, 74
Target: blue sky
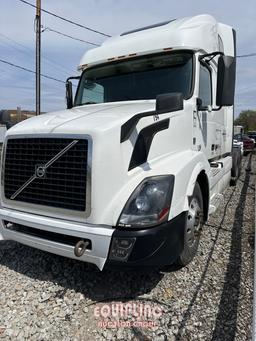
61, 55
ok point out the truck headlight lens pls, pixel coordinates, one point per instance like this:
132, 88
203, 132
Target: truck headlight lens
149, 204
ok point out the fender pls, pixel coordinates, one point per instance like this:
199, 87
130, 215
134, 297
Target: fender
185, 167
196, 171
191, 184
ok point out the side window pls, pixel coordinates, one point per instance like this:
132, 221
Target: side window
205, 86
93, 93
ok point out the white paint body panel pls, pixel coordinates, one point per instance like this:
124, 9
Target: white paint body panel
199, 32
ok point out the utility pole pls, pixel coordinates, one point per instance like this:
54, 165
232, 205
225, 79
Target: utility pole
38, 56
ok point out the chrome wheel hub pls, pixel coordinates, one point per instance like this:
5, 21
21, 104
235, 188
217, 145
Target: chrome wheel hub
193, 222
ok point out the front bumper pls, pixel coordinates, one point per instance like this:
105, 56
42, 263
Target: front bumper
156, 246
100, 236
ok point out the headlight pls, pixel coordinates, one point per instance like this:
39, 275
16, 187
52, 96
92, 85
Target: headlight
149, 204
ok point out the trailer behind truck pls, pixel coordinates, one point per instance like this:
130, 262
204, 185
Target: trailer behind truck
130, 171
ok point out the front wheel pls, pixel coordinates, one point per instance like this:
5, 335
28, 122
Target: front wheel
192, 227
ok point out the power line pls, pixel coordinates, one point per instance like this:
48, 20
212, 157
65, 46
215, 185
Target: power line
68, 36
14, 41
31, 54
247, 55
31, 71
67, 20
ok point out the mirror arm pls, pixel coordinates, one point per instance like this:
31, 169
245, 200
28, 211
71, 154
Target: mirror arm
217, 109
72, 77
212, 55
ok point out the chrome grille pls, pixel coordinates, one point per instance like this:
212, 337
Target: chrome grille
64, 183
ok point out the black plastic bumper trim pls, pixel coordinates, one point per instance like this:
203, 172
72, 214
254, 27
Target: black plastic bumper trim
156, 246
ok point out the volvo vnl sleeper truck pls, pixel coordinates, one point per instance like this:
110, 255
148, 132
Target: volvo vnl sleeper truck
128, 174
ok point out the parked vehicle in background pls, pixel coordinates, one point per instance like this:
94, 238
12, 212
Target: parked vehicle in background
237, 154
245, 142
237, 141
129, 173
252, 135
10, 117
239, 130
5, 119
248, 144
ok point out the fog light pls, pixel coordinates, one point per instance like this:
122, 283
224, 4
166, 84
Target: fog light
121, 248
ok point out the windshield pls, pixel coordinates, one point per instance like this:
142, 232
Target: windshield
137, 79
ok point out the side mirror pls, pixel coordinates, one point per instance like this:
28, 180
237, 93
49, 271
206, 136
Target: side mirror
69, 94
169, 102
226, 78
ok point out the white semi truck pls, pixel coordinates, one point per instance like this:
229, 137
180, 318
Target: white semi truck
128, 174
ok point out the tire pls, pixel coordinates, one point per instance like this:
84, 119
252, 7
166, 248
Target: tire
233, 182
192, 227
240, 165
235, 172
235, 168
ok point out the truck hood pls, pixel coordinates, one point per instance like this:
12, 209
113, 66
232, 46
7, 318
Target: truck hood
91, 118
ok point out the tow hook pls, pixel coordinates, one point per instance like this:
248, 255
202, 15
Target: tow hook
80, 248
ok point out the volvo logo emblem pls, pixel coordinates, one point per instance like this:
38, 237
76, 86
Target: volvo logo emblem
40, 171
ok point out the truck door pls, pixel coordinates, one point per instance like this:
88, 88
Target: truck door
203, 121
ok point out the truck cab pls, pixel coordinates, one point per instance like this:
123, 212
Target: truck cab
130, 171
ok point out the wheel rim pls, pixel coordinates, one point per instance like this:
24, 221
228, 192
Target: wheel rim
193, 222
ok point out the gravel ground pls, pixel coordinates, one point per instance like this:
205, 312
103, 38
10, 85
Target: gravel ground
46, 297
